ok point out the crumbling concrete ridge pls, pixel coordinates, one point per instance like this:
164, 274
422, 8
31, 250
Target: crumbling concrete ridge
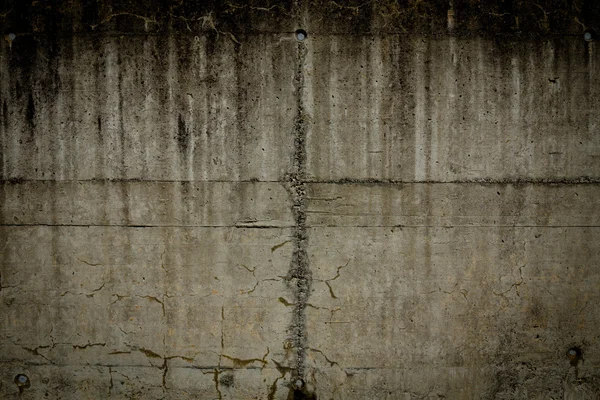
390, 199
299, 275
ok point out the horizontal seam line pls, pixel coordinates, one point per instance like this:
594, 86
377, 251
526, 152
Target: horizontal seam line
575, 181
156, 226
291, 226
454, 226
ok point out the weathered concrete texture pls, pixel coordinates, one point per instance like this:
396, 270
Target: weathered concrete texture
205, 299
146, 228
464, 174
452, 205
454, 109
194, 204
145, 203
153, 108
387, 311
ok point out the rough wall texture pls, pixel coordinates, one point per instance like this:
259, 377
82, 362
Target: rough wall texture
404, 205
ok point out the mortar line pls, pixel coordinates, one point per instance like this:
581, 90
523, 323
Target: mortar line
299, 276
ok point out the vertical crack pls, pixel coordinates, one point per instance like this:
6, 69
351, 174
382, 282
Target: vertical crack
111, 384
299, 277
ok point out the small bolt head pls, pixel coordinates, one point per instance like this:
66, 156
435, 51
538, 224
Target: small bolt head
574, 355
588, 36
22, 381
301, 35
299, 384
12, 36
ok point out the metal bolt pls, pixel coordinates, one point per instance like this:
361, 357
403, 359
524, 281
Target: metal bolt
301, 35
588, 36
574, 355
12, 36
299, 384
22, 381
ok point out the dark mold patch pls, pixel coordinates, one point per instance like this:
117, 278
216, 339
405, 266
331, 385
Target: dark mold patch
590, 14
22, 59
91, 11
20, 15
301, 393
430, 17
226, 380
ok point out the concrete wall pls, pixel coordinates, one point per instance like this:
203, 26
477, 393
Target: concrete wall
196, 205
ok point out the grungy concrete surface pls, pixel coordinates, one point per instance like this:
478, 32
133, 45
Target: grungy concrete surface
195, 205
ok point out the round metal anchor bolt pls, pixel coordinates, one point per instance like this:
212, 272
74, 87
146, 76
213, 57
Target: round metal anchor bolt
22, 381
301, 35
588, 36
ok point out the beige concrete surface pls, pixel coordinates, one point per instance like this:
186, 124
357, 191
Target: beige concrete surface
196, 205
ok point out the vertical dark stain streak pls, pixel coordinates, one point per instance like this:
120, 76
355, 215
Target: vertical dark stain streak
68, 55
212, 73
22, 60
429, 92
184, 55
30, 114
18, 89
123, 187
366, 49
402, 79
120, 111
2, 137
204, 160
322, 95
183, 136
52, 81
99, 86
570, 78
241, 116
4, 115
